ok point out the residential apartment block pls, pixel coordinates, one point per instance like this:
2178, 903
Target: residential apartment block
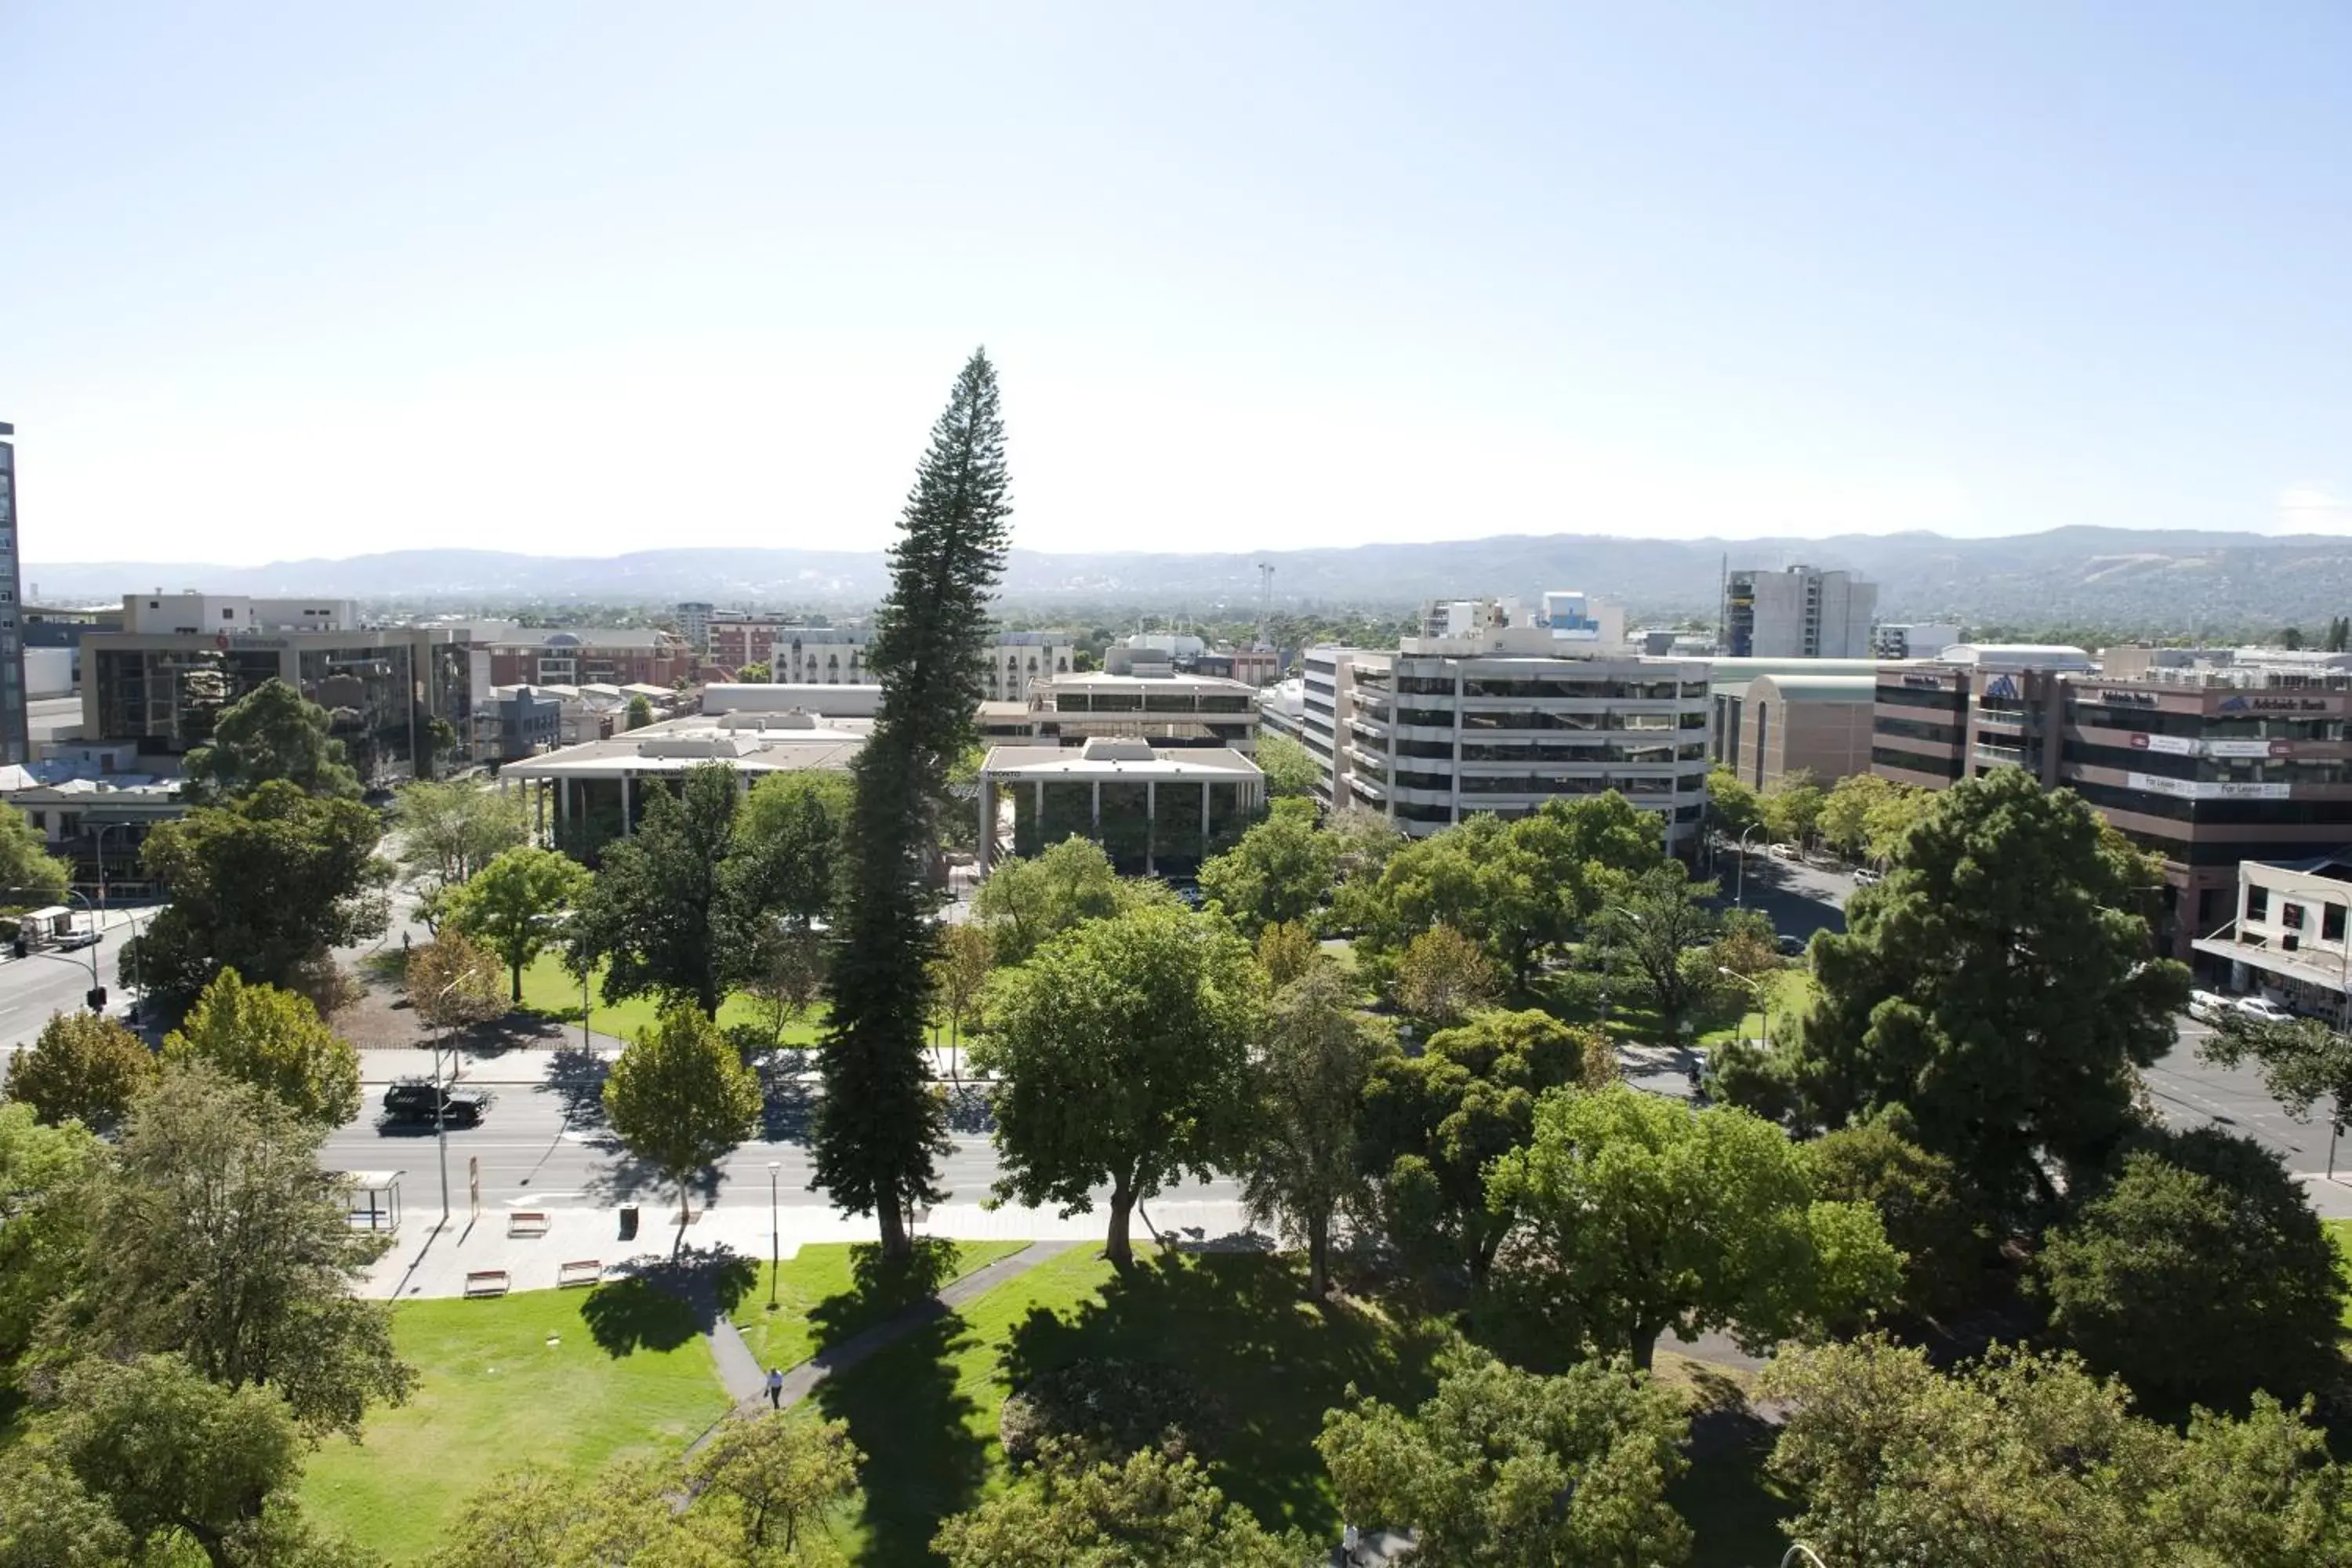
1499, 708
1802, 612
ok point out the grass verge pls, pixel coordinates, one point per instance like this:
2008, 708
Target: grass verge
518, 1381
552, 992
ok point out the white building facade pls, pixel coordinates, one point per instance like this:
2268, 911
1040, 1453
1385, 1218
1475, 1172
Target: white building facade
1802, 612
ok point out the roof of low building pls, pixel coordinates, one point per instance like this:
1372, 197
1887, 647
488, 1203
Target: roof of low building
776, 742
1107, 757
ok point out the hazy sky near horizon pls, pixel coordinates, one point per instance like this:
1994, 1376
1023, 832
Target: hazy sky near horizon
301, 279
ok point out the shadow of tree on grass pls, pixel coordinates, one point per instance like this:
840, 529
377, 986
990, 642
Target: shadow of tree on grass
664, 1302
924, 1459
882, 1287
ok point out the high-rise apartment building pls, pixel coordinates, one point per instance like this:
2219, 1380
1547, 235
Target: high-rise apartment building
1802, 612
694, 625
16, 743
1500, 709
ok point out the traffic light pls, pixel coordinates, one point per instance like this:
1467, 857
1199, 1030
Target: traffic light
96, 998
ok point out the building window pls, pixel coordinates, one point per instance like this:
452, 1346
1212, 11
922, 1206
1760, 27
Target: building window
2258, 902
2331, 923
2290, 916
229, 614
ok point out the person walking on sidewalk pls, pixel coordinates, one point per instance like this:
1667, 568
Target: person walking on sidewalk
776, 1386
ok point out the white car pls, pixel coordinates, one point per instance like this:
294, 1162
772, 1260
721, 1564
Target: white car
1868, 877
2207, 1006
2262, 1009
1781, 851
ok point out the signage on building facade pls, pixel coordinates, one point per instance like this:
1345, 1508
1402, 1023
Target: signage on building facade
2272, 705
2170, 745
2182, 746
2128, 698
2205, 789
1930, 682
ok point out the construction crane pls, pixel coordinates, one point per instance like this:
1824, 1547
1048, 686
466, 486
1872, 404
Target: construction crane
1265, 599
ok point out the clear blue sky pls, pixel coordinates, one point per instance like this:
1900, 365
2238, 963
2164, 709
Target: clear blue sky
321, 279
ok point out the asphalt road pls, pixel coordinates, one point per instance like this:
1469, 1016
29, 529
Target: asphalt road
549, 1142
41, 983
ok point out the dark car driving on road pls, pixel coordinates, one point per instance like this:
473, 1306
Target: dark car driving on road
411, 1102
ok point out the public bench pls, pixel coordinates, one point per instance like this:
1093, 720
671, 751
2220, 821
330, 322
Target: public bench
579, 1271
527, 1222
487, 1282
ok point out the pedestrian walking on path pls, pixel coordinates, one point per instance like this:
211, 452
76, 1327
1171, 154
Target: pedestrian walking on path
776, 1386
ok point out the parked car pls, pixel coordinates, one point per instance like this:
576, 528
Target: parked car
2263, 1010
1868, 877
2208, 1006
411, 1102
1791, 944
1781, 851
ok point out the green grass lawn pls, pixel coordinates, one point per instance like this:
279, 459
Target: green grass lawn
925, 1411
494, 1395
553, 992
1791, 991
821, 1299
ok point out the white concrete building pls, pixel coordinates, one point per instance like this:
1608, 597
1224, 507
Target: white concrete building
190, 612
2291, 938
1152, 808
1912, 639
1165, 709
1802, 612
1515, 711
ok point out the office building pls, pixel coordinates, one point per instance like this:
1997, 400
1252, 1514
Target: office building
584, 655
16, 737
1802, 612
1498, 709
1733, 738
1801, 726
2207, 765
1168, 711
1154, 809
2290, 935
1912, 639
160, 682
694, 625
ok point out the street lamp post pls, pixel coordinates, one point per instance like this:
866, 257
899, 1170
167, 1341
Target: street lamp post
1740, 895
1763, 999
775, 1235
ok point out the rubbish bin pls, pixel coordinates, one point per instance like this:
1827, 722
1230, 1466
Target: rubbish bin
628, 1222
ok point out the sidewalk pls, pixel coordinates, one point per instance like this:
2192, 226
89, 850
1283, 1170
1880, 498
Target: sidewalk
421, 1264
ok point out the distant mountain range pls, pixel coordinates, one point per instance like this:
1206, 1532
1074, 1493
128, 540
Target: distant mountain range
2159, 579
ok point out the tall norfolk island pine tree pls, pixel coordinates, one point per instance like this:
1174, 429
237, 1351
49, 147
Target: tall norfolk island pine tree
878, 1128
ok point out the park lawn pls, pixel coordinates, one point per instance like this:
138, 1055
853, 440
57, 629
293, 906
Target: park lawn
925, 1410
552, 991
819, 1300
492, 1394
1792, 993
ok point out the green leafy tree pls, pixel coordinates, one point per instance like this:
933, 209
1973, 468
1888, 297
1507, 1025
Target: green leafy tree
782, 1473
960, 974
1444, 977
681, 1098
1291, 770
661, 913
84, 1068
45, 1174
217, 1235
274, 1040
1793, 811
1281, 870
880, 1130
623, 1513
1148, 1511
2000, 984
637, 714
785, 863
1124, 1046
757, 673
1430, 1125
514, 903
1314, 1055
2200, 1275
271, 732
447, 831
30, 875
266, 884
175, 1455
49, 1520
1502, 1468
1733, 806
1364, 840
2339, 634
788, 976
2303, 1063
1029, 900
1658, 931
1637, 1216
2024, 1458
1926, 1216
1865, 817
453, 983
1286, 951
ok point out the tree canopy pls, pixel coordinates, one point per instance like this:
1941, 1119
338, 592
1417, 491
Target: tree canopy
1442, 977
682, 1099
266, 883
1658, 931
271, 732
661, 913
512, 904
274, 1040
1291, 770
2199, 1274
30, 875
1124, 1047
786, 860
44, 1173
1999, 985
1281, 870
1314, 1055
880, 1130
1636, 1215
1028, 900
448, 830
1502, 1466
83, 1067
